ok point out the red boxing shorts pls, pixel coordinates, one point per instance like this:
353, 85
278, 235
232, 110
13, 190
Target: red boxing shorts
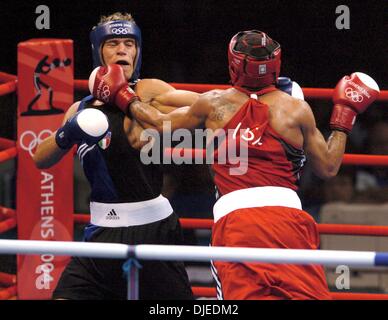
268, 227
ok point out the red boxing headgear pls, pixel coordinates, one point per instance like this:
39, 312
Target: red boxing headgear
254, 60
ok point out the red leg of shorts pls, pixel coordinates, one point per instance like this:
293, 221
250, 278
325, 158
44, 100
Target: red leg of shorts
269, 227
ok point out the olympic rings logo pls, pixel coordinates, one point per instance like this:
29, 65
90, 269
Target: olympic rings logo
353, 95
105, 93
29, 140
121, 31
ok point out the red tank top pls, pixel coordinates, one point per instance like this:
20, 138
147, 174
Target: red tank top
270, 160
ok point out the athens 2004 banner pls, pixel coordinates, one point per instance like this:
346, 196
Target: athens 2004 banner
44, 197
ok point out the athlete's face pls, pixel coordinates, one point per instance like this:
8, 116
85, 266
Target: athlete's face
121, 51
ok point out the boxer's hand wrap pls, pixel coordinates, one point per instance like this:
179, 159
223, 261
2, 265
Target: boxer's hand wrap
88, 125
108, 84
352, 95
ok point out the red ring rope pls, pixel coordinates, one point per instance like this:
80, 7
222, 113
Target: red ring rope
8, 293
7, 212
7, 224
5, 77
348, 159
8, 154
8, 87
310, 93
6, 143
7, 279
365, 160
340, 229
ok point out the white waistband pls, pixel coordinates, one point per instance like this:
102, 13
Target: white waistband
255, 197
129, 214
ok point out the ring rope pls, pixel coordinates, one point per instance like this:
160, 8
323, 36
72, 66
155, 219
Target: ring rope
195, 253
8, 154
7, 279
191, 223
7, 212
338, 229
5, 77
348, 159
310, 93
6, 143
7, 224
8, 293
8, 87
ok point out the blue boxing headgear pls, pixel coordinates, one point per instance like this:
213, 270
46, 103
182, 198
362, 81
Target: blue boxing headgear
116, 29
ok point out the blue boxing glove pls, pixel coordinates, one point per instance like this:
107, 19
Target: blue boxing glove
291, 87
88, 125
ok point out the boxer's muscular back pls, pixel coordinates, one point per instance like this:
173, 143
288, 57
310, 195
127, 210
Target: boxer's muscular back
285, 112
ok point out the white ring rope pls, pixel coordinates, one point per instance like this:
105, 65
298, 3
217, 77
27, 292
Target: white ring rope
195, 253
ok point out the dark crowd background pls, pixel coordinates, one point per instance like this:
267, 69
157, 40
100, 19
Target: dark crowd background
186, 41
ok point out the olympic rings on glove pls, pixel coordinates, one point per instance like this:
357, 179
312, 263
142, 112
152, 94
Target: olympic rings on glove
354, 95
105, 93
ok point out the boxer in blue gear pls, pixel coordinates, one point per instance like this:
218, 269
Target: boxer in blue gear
116, 29
88, 126
126, 205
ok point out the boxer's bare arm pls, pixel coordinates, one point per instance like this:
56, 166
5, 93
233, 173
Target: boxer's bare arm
48, 153
163, 96
184, 117
325, 156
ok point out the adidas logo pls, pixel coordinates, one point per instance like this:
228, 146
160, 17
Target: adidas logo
112, 215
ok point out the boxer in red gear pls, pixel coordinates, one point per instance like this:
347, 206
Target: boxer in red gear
259, 207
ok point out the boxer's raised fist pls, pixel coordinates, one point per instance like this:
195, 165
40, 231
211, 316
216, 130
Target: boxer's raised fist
352, 95
108, 84
88, 125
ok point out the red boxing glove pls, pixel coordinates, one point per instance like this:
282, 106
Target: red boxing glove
352, 95
109, 85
